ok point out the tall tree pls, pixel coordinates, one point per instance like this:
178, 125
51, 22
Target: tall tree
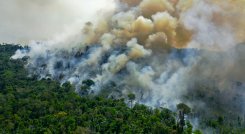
131, 98
183, 109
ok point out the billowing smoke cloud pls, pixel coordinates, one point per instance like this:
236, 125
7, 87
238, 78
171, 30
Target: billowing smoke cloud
164, 51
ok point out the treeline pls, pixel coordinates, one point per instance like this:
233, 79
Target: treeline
217, 116
28, 105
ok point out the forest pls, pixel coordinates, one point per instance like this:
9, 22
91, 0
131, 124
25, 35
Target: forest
122, 66
28, 105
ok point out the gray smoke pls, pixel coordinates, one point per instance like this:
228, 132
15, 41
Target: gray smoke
180, 51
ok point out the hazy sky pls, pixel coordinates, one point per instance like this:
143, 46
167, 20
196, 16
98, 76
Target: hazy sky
25, 20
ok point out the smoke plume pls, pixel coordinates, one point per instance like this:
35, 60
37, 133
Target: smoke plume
164, 51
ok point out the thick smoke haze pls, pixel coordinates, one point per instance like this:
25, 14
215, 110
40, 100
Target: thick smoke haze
25, 20
164, 51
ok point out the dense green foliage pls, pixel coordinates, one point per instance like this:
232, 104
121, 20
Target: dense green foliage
28, 105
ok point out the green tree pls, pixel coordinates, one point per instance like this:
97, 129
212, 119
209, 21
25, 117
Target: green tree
183, 109
131, 98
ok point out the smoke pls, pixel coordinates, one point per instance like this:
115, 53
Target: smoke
164, 51
27, 20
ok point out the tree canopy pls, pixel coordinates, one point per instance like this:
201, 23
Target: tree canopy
28, 105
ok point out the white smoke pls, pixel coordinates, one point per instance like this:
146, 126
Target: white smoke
27, 20
199, 19
159, 54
